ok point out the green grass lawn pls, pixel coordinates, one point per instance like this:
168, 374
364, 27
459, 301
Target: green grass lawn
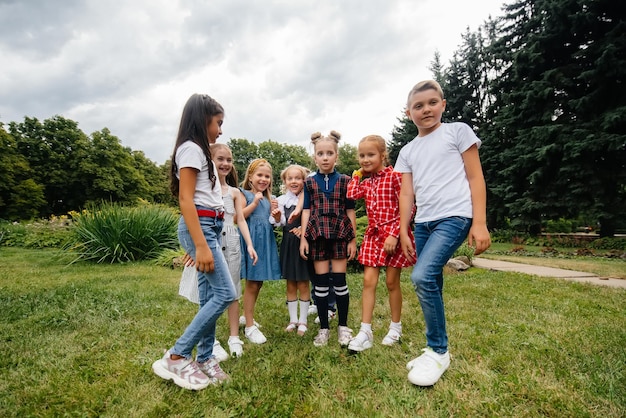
79, 340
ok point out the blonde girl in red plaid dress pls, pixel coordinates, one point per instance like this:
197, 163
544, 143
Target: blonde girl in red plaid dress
381, 246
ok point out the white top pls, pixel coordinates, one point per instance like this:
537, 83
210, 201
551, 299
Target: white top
189, 154
439, 180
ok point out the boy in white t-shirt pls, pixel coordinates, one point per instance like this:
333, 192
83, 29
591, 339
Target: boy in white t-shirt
442, 175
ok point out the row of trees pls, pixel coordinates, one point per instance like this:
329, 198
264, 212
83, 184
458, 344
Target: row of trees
542, 86
52, 168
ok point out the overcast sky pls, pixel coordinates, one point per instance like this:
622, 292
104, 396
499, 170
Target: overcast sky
281, 69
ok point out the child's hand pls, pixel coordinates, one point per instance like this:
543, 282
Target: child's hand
479, 238
304, 249
294, 215
258, 196
352, 249
188, 261
204, 259
253, 255
390, 245
297, 231
406, 243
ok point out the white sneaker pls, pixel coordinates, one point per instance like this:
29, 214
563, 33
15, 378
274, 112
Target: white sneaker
235, 345
242, 322
362, 341
392, 337
322, 337
184, 372
344, 335
331, 315
254, 335
218, 352
312, 310
426, 369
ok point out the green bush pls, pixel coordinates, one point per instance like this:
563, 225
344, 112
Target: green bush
44, 233
113, 233
560, 225
607, 243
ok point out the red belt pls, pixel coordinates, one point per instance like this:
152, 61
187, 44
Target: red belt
208, 213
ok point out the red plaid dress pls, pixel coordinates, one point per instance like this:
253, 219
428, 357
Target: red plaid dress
381, 193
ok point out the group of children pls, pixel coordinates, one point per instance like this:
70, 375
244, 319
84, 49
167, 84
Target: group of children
437, 180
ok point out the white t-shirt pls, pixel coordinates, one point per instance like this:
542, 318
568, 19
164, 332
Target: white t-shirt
189, 154
439, 180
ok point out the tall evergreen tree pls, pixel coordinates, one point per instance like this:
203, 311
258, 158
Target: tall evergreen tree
538, 161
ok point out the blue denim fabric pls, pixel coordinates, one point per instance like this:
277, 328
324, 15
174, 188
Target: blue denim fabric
216, 292
435, 242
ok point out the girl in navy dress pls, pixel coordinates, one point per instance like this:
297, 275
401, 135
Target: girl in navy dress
295, 270
329, 222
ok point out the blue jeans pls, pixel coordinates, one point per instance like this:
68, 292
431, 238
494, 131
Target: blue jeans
216, 292
435, 242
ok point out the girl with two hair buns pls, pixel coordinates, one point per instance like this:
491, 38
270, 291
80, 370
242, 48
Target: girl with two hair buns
329, 225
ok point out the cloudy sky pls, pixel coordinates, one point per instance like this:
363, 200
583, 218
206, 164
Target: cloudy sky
282, 69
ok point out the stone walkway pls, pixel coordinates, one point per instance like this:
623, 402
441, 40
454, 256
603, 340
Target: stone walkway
576, 276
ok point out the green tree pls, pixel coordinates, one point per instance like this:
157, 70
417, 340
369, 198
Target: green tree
557, 144
403, 133
20, 196
53, 149
243, 151
109, 173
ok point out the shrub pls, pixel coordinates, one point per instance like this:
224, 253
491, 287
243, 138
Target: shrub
113, 233
44, 233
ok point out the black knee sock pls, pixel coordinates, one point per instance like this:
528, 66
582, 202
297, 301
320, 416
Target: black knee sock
343, 297
321, 287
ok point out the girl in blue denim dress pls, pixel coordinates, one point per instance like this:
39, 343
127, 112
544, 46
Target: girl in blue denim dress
256, 187
194, 180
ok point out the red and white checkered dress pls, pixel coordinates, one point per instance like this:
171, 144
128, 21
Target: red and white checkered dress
381, 193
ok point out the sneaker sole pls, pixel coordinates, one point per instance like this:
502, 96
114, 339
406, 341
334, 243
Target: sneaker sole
390, 343
163, 373
419, 381
360, 349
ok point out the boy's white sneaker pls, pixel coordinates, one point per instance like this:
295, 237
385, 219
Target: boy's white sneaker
218, 352
362, 341
426, 369
312, 310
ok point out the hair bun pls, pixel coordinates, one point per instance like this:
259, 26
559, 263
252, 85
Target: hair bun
335, 135
315, 136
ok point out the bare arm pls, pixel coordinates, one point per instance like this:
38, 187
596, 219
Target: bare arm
187, 187
239, 199
304, 244
352, 244
478, 236
406, 200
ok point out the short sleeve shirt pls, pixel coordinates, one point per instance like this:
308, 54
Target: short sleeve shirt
189, 154
439, 180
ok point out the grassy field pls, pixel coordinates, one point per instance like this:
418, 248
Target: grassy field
79, 341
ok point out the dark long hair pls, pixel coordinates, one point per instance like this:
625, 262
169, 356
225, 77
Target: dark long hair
197, 115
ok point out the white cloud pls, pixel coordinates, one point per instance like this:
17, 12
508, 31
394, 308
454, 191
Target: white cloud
281, 69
